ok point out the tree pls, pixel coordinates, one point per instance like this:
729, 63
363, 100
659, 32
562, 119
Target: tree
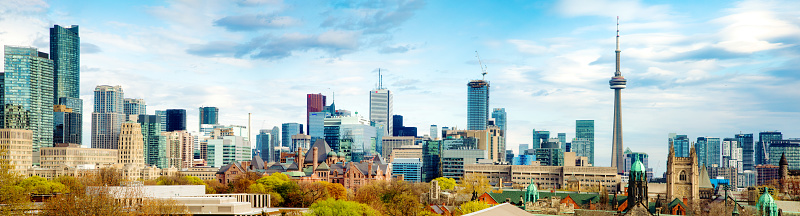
474, 184
213, 186
39, 185
337, 191
446, 183
272, 181
332, 206
12, 197
473, 206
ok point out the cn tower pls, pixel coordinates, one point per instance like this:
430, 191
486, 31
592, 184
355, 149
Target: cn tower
617, 83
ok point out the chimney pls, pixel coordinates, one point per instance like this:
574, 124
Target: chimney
369, 169
316, 157
299, 158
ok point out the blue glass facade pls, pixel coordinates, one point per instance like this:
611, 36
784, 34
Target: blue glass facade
789, 147
316, 125
540, 137
65, 50
431, 164
762, 148
410, 168
680, 145
264, 146
176, 120
700, 147
584, 130
477, 104
550, 156
209, 115
134, 107
748, 148
28, 91
523, 160
67, 127
714, 152
360, 138
154, 144
287, 130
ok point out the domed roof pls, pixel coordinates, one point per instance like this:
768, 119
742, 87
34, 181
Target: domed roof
331, 154
637, 166
766, 198
342, 154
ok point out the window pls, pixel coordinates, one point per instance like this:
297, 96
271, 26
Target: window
683, 175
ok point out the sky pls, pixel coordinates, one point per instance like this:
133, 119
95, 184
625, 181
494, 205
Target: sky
700, 68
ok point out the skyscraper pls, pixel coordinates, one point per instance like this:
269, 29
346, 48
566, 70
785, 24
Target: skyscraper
562, 140
746, 142
162, 119
584, 132
477, 104
397, 125
680, 143
176, 120
209, 115
316, 125
287, 130
275, 140
540, 137
617, 83
434, 132
380, 109
28, 93
314, 103
500, 120
701, 148
264, 145
133, 106
522, 148
762, 149
65, 52
154, 144
107, 117
66, 125
131, 144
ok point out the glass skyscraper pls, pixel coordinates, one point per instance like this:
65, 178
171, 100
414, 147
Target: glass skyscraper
287, 130
680, 144
477, 104
209, 115
701, 148
132, 106
762, 148
66, 125
107, 117
316, 125
154, 143
540, 137
176, 120
314, 103
714, 152
65, 50
431, 151
500, 120
28, 93
380, 109
264, 146
790, 147
584, 132
746, 142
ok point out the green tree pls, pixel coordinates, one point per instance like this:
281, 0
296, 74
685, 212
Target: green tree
332, 206
11, 196
193, 180
39, 185
446, 183
475, 185
473, 206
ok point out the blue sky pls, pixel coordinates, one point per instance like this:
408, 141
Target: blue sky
710, 68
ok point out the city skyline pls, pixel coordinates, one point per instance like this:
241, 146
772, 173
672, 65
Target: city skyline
547, 70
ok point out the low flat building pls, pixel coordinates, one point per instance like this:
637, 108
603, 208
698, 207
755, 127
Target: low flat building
72, 155
407, 151
454, 161
548, 177
204, 173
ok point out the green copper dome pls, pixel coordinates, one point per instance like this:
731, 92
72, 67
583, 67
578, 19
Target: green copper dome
532, 193
766, 204
637, 166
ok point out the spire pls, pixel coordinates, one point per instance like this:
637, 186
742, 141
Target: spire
618, 73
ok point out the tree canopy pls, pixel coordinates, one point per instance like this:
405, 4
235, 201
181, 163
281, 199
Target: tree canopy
332, 206
446, 183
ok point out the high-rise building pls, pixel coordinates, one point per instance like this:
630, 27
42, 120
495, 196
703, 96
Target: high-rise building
410, 168
287, 130
500, 120
275, 140
162, 119
131, 144
701, 149
65, 50
176, 120
562, 140
550, 156
617, 83
431, 151
264, 145
133, 106
631, 157
316, 125
209, 115
522, 148
584, 131
789, 147
540, 137
762, 148
477, 104
681, 144
434, 132
314, 103
66, 125
397, 125
107, 117
380, 109
748, 148
28, 93
154, 144
227, 149
180, 148
713, 152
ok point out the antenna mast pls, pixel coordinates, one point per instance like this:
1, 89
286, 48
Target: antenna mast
483, 67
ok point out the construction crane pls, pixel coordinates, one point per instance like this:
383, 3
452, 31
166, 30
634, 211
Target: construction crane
483, 67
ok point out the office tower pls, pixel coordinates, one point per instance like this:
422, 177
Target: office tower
509, 155
162, 118
681, 144
431, 151
562, 140
584, 131
225, 150
275, 140
180, 148
65, 50
154, 144
631, 157
500, 120
731, 153
356, 138
209, 115
133, 106
477, 104
264, 145
410, 168
701, 149
66, 125
397, 125
434, 132
790, 149
314, 103
107, 117
746, 142
550, 156
28, 93
287, 130
617, 83
380, 108
522, 148
540, 137
316, 125
131, 144
714, 152
176, 120
762, 149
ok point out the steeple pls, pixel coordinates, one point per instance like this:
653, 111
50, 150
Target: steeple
618, 51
